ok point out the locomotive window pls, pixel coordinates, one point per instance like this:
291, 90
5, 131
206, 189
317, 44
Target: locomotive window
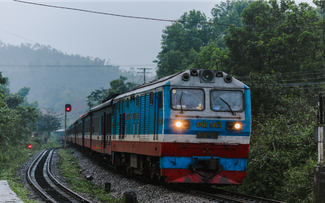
187, 99
227, 100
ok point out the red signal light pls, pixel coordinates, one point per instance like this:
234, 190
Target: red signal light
68, 107
30, 146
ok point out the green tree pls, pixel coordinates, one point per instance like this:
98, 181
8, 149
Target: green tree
276, 37
95, 97
225, 14
48, 122
117, 86
212, 57
282, 152
180, 40
16, 123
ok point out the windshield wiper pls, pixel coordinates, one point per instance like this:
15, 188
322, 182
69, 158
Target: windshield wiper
233, 113
180, 101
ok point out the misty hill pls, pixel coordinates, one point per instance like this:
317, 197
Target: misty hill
56, 78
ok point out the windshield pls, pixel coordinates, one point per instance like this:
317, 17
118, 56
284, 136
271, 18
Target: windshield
187, 99
227, 100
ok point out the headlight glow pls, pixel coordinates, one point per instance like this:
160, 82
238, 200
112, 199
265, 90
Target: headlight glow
237, 126
178, 124
181, 124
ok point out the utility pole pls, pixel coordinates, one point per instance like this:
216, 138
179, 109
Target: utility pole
67, 108
144, 73
319, 172
65, 129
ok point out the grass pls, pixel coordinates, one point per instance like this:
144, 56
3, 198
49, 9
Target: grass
12, 159
70, 170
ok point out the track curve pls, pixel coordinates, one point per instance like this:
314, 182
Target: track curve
41, 179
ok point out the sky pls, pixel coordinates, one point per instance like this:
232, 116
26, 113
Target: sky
124, 42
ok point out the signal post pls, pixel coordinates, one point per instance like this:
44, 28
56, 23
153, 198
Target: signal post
66, 109
319, 172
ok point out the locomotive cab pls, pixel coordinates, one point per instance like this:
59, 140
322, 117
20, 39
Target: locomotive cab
208, 121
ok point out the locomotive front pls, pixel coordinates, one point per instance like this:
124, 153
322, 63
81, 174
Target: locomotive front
207, 126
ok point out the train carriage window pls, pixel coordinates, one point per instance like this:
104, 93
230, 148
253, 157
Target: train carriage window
127, 103
109, 129
187, 99
227, 100
137, 101
87, 126
160, 101
151, 98
96, 126
118, 106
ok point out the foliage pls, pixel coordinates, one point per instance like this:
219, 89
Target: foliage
182, 41
2, 79
48, 122
276, 37
211, 57
117, 86
282, 151
14, 156
70, 170
225, 14
95, 97
16, 121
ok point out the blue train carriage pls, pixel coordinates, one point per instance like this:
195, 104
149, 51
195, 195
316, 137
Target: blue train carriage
190, 127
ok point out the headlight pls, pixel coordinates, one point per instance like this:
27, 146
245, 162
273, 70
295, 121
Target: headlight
178, 124
234, 126
181, 124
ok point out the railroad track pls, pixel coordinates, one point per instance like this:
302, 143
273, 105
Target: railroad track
41, 179
227, 196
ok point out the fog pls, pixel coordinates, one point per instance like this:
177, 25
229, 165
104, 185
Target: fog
123, 41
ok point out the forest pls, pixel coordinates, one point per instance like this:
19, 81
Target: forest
277, 49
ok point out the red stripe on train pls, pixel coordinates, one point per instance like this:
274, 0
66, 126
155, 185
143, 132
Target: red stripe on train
189, 176
172, 149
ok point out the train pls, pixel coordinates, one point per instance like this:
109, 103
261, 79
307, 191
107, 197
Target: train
189, 127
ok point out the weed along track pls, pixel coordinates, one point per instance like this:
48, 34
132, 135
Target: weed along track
41, 179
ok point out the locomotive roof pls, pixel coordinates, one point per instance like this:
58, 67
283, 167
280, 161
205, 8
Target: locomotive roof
174, 79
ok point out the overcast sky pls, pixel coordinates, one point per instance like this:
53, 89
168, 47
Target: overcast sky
122, 41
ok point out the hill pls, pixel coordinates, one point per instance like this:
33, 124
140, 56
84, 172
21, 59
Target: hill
56, 78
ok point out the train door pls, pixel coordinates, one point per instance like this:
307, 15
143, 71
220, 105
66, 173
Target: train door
159, 117
91, 131
75, 132
104, 124
101, 134
83, 133
153, 101
121, 125
144, 117
109, 130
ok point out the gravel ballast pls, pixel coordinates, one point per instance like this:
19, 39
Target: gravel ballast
119, 183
